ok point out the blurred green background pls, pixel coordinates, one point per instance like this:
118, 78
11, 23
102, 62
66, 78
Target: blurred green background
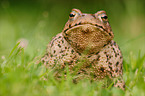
38, 21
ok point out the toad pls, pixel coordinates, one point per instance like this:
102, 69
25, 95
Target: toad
87, 47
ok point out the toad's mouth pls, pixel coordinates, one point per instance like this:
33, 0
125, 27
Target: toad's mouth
87, 25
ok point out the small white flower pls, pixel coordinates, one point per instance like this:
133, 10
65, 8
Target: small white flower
23, 43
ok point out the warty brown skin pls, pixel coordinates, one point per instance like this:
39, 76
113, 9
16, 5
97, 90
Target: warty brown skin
86, 37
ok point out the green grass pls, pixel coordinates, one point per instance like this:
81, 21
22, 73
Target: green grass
29, 78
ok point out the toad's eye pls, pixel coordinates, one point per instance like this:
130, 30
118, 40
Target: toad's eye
104, 17
72, 14
101, 15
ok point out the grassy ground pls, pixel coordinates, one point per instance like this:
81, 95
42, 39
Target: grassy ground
22, 77
37, 22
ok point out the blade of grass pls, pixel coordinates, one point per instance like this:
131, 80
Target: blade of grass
15, 47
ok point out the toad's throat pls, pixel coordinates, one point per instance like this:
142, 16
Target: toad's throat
81, 24
86, 37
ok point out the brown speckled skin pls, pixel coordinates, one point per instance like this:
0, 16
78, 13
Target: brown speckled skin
87, 38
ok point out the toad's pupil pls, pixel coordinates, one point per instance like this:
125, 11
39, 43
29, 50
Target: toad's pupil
71, 15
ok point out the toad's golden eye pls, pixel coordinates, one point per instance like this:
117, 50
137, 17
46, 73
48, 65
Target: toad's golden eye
104, 17
72, 14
